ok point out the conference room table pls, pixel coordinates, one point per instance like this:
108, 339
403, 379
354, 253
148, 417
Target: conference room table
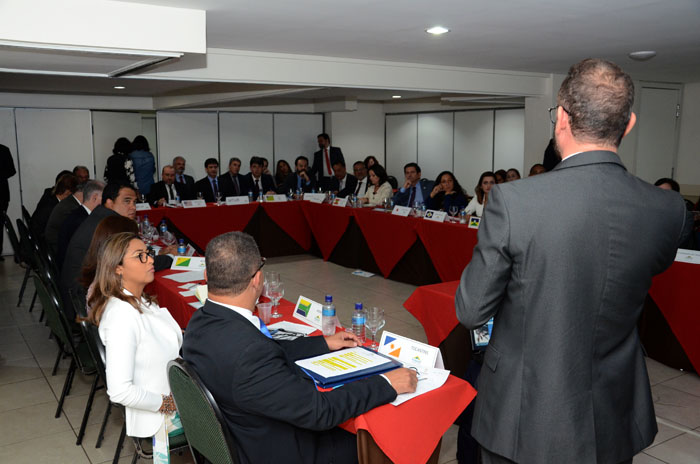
407, 249
408, 433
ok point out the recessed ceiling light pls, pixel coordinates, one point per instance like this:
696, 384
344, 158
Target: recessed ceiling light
119, 87
396, 96
642, 55
437, 30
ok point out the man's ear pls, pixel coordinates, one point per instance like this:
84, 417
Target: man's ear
205, 275
630, 124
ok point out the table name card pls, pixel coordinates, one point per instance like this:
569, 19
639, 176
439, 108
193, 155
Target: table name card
401, 211
187, 263
474, 222
688, 256
243, 200
410, 352
275, 198
437, 216
308, 311
194, 203
340, 202
315, 197
172, 202
143, 207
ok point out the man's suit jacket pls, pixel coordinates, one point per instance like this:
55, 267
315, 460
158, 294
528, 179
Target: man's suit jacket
350, 185
401, 197
7, 170
268, 184
564, 379
262, 393
58, 215
158, 191
188, 189
292, 181
204, 185
41, 215
228, 187
68, 228
335, 154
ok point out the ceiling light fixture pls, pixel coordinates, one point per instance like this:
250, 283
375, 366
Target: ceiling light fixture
119, 87
642, 55
396, 96
437, 30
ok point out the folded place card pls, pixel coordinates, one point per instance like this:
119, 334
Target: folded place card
315, 197
340, 202
401, 211
188, 263
410, 352
190, 276
437, 216
241, 200
190, 250
307, 310
201, 292
474, 222
275, 198
143, 207
688, 256
194, 203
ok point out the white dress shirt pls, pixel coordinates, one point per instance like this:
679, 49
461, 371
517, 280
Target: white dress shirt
474, 208
247, 313
138, 348
361, 187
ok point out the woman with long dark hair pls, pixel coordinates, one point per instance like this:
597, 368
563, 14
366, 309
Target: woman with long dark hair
486, 181
446, 193
379, 188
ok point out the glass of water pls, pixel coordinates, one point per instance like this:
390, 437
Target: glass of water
374, 321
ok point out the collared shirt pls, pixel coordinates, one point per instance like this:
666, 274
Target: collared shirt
214, 184
180, 178
171, 191
418, 198
247, 313
341, 182
361, 186
88, 210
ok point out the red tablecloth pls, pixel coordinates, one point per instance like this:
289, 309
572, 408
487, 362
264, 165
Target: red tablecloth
289, 217
434, 307
674, 292
449, 246
388, 236
328, 224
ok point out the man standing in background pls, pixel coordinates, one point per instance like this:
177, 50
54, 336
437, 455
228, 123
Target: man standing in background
324, 159
7, 170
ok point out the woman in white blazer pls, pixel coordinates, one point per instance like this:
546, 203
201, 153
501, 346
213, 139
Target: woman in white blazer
476, 206
139, 336
380, 188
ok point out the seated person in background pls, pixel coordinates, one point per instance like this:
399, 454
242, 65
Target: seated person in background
166, 190
231, 182
380, 189
476, 207
254, 380
342, 183
446, 193
300, 180
92, 198
140, 337
360, 171
501, 175
65, 187
185, 181
82, 173
59, 214
282, 171
266, 166
414, 190
370, 161
49, 194
668, 184
209, 186
536, 169
513, 174
256, 181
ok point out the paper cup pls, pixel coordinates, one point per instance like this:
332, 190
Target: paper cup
264, 310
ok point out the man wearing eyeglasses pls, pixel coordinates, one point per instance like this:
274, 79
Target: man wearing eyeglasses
564, 379
274, 412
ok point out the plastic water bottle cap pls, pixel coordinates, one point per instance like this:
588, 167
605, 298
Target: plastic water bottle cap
329, 299
358, 305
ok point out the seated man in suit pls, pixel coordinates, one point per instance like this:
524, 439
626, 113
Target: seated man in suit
301, 180
166, 190
185, 182
414, 190
360, 171
209, 186
342, 183
324, 159
253, 378
256, 180
65, 187
92, 198
82, 173
59, 214
231, 183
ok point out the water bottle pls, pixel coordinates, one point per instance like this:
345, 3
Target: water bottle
328, 317
250, 196
358, 322
181, 248
163, 227
146, 222
177, 200
463, 216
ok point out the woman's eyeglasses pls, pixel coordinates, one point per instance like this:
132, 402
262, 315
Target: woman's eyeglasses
144, 255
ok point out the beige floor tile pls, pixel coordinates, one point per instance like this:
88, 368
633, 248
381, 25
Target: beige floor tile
677, 406
448, 449
684, 449
19, 370
689, 383
665, 433
27, 393
109, 444
14, 351
56, 448
10, 335
643, 458
81, 383
74, 407
30, 422
659, 373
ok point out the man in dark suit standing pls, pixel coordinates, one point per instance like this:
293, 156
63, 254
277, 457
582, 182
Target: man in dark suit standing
231, 182
564, 379
301, 180
185, 181
414, 189
7, 170
166, 191
324, 159
253, 378
342, 183
256, 180
208, 186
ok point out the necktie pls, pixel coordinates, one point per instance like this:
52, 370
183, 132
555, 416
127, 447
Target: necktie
181, 178
359, 184
328, 162
172, 193
236, 187
412, 196
264, 330
215, 187
257, 182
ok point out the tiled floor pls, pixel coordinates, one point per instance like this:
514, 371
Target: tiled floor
29, 394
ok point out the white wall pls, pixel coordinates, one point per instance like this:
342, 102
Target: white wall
192, 135
245, 135
358, 133
473, 153
688, 166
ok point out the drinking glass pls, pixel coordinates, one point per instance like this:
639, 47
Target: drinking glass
374, 321
276, 292
453, 210
218, 198
386, 203
200, 196
142, 198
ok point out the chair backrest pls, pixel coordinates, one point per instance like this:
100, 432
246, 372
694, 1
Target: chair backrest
53, 316
27, 217
393, 182
78, 298
14, 241
202, 420
96, 347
